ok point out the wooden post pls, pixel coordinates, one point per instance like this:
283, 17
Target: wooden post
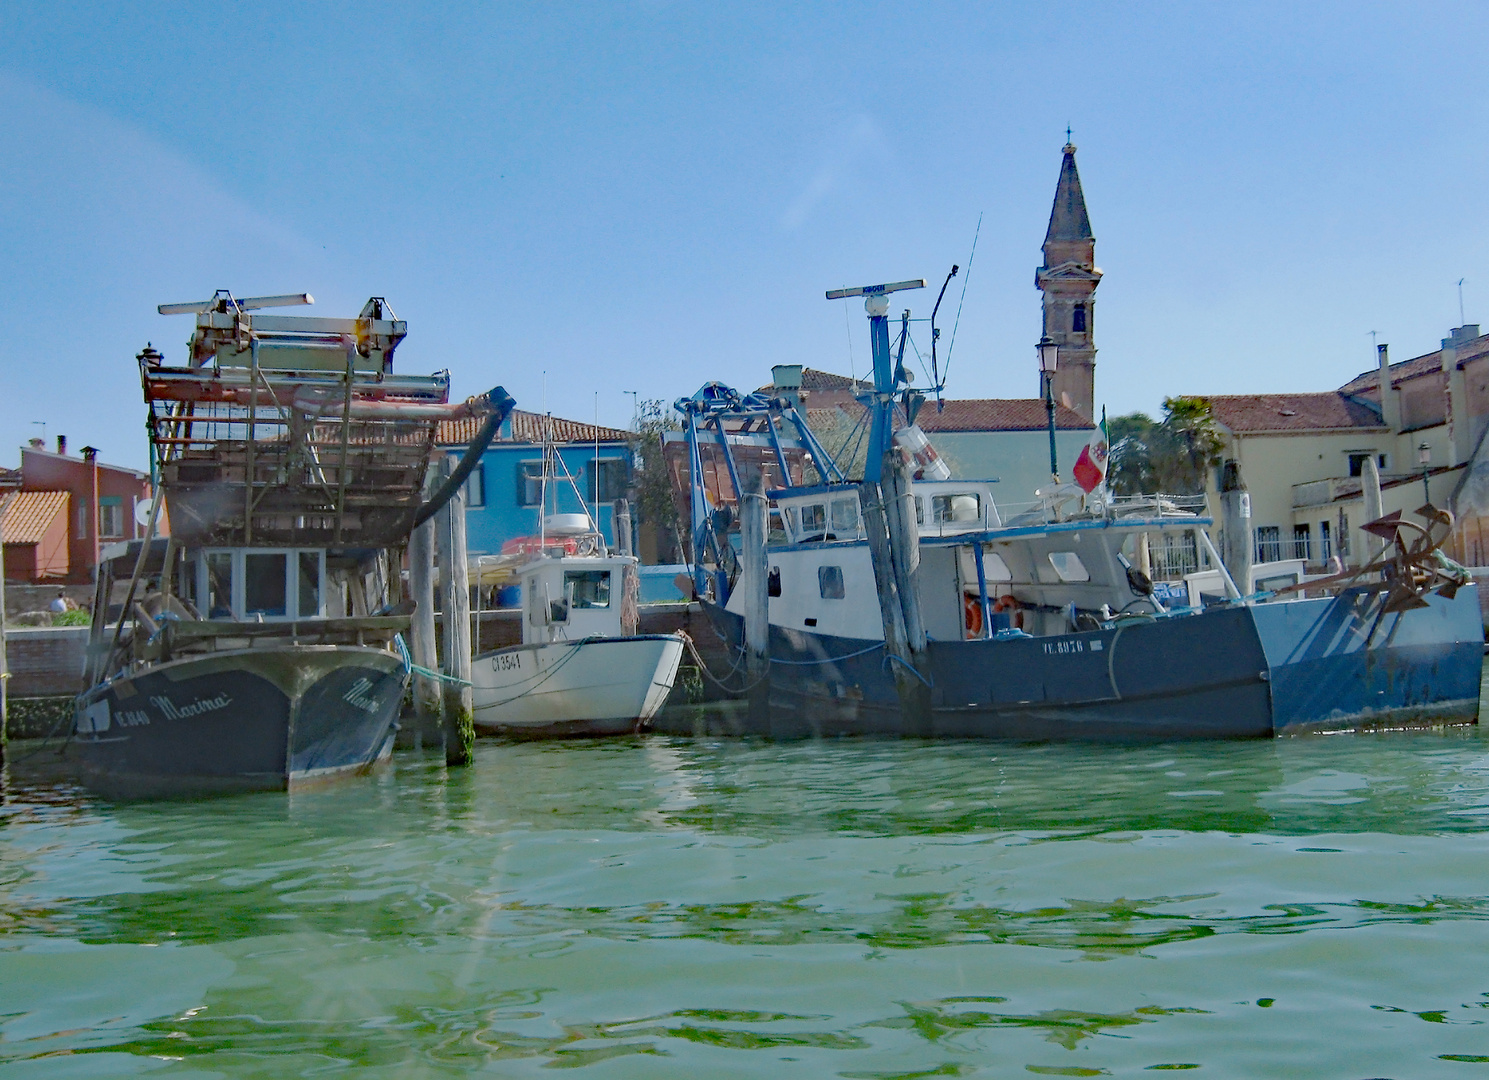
1370, 489
621, 517
891, 615
754, 582
422, 643
459, 722
904, 551
4, 661
1235, 511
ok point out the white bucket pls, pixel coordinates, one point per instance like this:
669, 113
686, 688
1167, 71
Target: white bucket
927, 464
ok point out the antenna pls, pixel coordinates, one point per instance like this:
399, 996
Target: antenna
875, 290
1461, 319
248, 303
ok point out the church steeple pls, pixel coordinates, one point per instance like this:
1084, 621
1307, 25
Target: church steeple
1068, 280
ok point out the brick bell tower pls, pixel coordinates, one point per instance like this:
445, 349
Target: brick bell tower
1068, 280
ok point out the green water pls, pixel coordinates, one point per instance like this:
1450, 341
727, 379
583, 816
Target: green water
663, 907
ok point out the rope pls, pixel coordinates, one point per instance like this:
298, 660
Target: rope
891, 657
417, 669
698, 659
551, 672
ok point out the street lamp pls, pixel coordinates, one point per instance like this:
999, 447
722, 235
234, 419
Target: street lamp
1049, 354
1424, 458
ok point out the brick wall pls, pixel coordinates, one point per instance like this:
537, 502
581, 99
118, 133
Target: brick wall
45, 660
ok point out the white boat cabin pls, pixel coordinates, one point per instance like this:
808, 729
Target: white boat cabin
565, 598
1053, 577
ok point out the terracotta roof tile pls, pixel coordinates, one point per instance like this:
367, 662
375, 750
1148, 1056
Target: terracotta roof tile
530, 427
29, 514
998, 414
1252, 414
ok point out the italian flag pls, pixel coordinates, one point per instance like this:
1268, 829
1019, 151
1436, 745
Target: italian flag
1090, 467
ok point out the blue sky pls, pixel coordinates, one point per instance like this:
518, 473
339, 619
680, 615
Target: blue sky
579, 200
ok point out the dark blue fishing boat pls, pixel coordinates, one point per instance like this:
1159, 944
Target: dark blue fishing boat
901, 606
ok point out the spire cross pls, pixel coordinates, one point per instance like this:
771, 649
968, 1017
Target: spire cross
1067, 133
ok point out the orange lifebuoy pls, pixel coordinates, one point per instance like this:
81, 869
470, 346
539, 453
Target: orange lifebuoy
1011, 605
972, 607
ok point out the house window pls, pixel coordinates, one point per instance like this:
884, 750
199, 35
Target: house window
607, 480
111, 516
475, 486
1268, 543
529, 483
1325, 548
830, 582
1301, 537
1078, 319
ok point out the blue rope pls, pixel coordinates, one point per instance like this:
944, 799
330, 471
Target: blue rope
410, 666
907, 666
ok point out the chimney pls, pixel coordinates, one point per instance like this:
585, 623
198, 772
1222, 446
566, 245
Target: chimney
1390, 401
90, 453
786, 382
38, 443
61, 444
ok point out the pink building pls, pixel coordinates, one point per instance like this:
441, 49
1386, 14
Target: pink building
68, 507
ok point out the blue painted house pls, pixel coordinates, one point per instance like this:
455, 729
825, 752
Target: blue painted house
503, 494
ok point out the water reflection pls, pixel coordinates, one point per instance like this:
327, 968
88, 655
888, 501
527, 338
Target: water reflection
700, 907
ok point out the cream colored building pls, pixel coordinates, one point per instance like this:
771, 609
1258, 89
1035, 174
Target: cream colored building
1301, 456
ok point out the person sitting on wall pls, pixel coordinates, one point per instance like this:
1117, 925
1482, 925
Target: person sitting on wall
60, 603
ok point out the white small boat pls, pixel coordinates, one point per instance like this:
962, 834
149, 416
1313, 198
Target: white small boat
581, 668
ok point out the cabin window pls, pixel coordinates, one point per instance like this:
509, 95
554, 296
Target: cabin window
475, 486
1069, 566
310, 584
994, 568
529, 483
587, 588
219, 585
1078, 319
963, 506
264, 591
830, 582
607, 480
919, 512
813, 521
773, 582
845, 516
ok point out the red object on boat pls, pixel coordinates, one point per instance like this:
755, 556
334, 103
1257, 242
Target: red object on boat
533, 545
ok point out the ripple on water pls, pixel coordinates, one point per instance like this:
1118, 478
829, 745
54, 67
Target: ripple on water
658, 907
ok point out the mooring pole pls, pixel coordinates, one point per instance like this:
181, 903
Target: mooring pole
4, 646
459, 718
754, 583
904, 552
1235, 517
423, 644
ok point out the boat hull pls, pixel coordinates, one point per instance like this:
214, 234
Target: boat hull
258, 719
1327, 664
594, 686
